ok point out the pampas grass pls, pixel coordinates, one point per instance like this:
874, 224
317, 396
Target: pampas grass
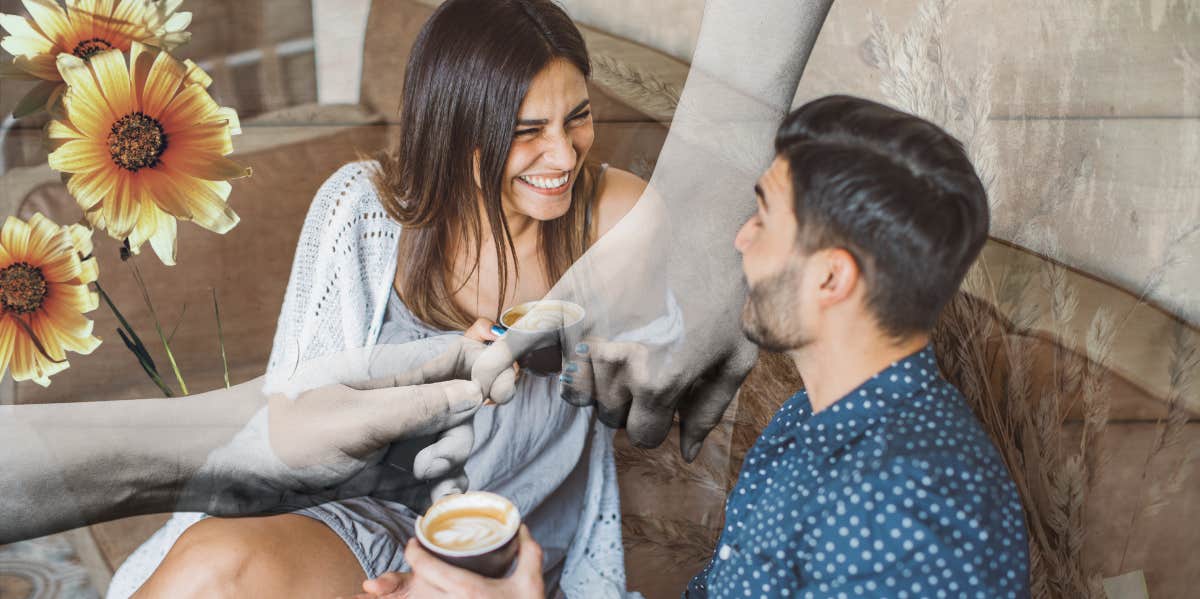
686, 545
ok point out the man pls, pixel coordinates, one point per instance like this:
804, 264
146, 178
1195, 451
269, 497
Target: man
876, 479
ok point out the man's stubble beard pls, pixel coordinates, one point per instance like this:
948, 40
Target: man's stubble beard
769, 318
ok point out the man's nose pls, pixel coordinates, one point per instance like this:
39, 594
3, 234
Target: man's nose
742, 239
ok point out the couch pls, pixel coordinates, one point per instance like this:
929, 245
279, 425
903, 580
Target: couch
672, 510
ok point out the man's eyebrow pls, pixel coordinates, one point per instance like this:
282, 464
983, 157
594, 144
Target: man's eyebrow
538, 122
762, 199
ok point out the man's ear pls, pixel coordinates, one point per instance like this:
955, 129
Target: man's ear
839, 276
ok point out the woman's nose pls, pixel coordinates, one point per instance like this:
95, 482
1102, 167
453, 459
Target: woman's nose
559, 152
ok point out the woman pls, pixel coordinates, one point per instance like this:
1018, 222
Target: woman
484, 204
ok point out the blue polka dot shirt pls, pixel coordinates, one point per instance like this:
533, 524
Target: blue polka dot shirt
893, 491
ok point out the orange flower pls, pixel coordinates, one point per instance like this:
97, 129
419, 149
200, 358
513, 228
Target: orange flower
144, 145
44, 274
83, 28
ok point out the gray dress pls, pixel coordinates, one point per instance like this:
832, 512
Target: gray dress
528, 454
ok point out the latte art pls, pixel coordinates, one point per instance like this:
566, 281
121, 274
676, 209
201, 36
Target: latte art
467, 532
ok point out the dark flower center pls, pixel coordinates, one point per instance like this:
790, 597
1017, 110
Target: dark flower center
22, 288
89, 48
136, 141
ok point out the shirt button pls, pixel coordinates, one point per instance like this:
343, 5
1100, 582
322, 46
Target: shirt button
724, 552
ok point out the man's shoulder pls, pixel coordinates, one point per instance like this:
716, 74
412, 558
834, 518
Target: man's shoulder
937, 423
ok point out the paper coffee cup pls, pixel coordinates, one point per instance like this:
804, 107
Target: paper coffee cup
476, 531
538, 330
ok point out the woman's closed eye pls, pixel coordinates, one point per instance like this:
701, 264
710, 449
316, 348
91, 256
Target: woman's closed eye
575, 120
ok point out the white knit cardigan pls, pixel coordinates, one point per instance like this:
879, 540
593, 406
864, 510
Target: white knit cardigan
336, 297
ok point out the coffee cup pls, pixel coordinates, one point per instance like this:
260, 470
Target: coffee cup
538, 330
475, 530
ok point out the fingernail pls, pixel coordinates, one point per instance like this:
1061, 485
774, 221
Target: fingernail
463, 396
692, 450
566, 378
581, 349
498, 330
572, 367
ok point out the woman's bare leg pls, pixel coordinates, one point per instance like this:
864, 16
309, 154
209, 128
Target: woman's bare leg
272, 556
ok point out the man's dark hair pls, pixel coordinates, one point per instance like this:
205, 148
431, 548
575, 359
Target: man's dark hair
895, 191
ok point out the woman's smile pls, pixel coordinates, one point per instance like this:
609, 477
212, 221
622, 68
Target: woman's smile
547, 184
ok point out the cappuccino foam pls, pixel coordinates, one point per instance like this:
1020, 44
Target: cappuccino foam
543, 316
467, 530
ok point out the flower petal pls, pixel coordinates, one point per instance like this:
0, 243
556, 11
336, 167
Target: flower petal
164, 240
50, 18
161, 84
42, 66
210, 138
15, 238
90, 188
19, 25
113, 76
8, 339
209, 167
20, 45
121, 208
81, 238
190, 106
205, 200
89, 98
62, 130
80, 156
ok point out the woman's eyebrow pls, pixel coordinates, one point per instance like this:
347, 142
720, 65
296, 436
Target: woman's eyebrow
574, 111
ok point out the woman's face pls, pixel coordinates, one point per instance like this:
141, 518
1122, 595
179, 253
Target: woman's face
551, 137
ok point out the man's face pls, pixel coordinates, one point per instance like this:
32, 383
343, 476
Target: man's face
773, 265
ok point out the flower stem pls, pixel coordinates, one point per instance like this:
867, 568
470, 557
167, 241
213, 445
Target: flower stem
134, 343
137, 275
220, 337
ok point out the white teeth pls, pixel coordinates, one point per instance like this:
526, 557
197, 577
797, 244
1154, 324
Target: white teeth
545, 182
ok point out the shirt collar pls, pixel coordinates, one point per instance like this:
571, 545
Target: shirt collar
864, 406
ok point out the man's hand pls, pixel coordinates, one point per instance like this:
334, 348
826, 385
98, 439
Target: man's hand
637, 388
403, 436
431, 577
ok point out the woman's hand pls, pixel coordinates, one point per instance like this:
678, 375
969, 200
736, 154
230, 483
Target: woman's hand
431, 577
481, 331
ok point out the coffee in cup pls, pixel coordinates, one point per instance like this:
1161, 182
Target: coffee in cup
476, 530
539, 329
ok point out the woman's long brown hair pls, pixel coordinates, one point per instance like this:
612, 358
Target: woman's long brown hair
468, 73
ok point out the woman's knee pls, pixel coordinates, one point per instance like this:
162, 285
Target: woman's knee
212, 558
252, 557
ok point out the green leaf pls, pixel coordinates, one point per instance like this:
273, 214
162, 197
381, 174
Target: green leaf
220, 337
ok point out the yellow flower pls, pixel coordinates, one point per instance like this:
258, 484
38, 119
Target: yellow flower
144, 145
82, 28
44, 274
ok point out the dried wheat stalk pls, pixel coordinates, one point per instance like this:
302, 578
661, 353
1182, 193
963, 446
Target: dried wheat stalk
630, 82
688, 545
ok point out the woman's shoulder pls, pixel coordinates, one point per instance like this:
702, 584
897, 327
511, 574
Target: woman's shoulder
350, 189
617, 193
